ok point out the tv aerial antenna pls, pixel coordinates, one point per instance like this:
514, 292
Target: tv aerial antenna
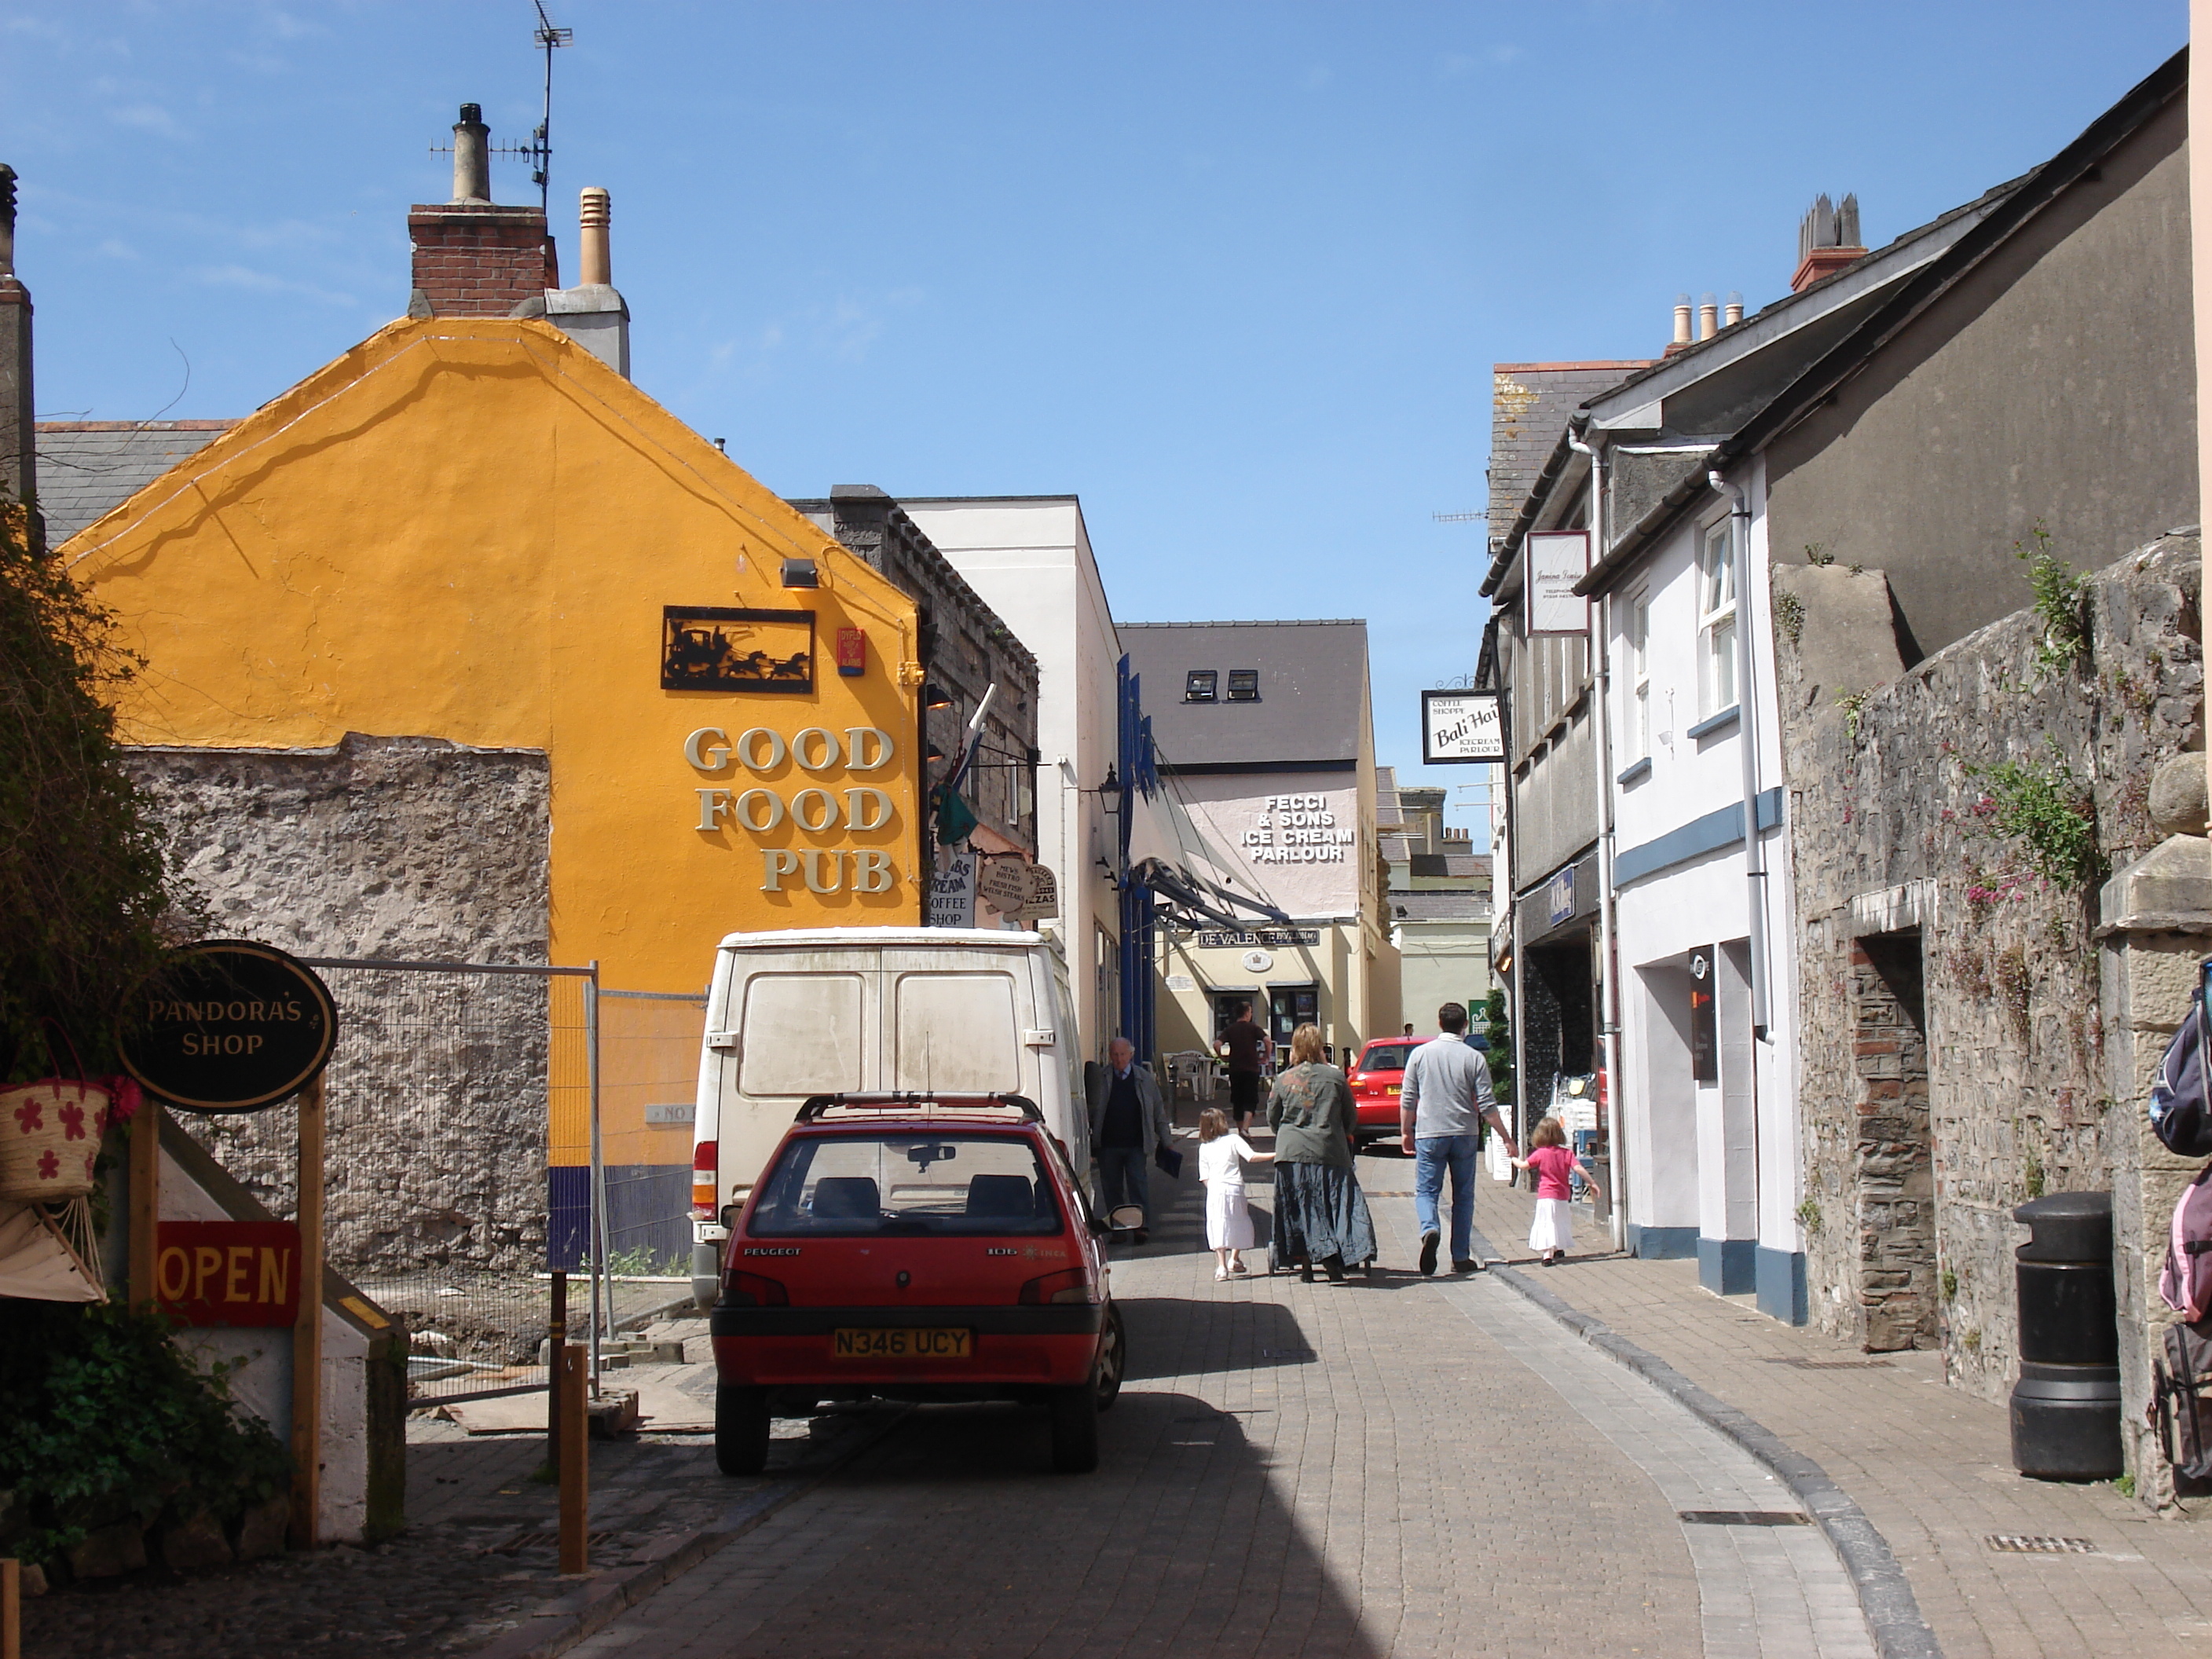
540, 150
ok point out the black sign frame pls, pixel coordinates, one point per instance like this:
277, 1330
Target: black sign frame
705, 658
1430, 758
228, 1026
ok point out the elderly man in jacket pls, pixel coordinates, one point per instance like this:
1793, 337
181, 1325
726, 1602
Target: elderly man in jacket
1128, 1123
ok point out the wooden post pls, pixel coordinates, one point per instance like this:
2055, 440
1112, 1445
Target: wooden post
11, 1609
144, 1168
308, 1333
574, 1365
556, 1333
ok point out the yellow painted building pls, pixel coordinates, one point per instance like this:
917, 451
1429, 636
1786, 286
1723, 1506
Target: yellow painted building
473, 530
470, 538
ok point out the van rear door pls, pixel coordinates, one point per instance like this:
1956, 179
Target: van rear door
953, 1020
805, 1025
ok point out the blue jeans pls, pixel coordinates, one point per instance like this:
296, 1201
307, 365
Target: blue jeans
1431, 1157
1123, 1179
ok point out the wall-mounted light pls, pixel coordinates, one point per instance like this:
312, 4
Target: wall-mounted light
936, 751
1109, 794
935, 697
801, 573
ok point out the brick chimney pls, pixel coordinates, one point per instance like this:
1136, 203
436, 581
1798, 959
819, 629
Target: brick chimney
19, 475
1827, 241
473, 259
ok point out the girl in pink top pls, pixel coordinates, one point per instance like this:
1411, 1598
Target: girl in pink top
1552, 1234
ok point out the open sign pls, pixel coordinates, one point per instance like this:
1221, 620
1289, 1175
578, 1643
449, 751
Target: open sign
228, 1272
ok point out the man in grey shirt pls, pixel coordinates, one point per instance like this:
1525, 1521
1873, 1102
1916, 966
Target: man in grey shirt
1442, 1101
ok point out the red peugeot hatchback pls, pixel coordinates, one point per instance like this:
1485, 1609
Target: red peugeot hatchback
915, 1247
1375, 1077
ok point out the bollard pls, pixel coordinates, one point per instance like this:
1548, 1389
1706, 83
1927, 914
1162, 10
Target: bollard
557, 1333
573, 1364
2066, 1406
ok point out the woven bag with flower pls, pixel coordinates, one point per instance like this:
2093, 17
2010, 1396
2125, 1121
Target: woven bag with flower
50, 1128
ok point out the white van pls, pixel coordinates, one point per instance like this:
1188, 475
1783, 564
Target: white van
836, 1010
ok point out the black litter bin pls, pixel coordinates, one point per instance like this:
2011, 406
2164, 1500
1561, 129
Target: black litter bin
2066, 1406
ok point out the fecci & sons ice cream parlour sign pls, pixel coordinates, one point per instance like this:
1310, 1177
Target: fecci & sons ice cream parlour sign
762, 799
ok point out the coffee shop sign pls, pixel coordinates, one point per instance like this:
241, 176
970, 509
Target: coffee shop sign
816, 751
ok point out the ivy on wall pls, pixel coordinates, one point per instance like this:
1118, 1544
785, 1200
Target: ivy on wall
85, 898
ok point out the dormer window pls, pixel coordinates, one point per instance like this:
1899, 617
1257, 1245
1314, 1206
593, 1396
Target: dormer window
1198, 685
1243, 685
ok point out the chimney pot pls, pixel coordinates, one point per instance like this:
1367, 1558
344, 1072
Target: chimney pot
472, 156
594, 212
1681, 319
1709, 317
1733, 314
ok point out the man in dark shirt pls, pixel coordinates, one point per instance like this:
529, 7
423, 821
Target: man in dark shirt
1128, 1123
1248, 1049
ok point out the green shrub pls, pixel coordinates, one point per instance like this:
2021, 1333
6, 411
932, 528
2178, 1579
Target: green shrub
102, 1414
2060, 602
2051, 812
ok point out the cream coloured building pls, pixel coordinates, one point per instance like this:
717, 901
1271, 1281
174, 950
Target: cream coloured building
1265, 739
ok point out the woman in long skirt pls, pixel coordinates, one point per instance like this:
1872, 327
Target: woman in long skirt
1321, 1214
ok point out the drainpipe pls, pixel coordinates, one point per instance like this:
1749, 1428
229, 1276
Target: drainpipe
1601, 752
1754, 853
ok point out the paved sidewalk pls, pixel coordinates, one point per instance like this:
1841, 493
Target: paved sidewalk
1930, 1466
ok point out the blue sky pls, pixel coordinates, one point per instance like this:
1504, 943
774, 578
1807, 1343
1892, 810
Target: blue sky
1234, 273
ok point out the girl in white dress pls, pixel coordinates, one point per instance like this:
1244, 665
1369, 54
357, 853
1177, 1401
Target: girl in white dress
1221, 1155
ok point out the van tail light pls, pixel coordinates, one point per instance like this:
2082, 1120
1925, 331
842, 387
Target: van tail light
751, 1290
1072, 1285
705, 1162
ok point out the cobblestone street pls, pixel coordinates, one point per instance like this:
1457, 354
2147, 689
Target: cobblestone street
1400, 1466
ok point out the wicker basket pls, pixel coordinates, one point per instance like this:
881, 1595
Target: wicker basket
50, 1135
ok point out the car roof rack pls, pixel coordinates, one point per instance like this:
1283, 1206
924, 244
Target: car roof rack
816, 1105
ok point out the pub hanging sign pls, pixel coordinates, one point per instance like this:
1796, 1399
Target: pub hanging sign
226, 1025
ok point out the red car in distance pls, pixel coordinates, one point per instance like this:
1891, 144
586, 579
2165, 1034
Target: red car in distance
916, 1246
1376, 1077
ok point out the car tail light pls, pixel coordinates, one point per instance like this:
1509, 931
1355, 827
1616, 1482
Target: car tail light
751, 1290
704, 1162
1071, 1286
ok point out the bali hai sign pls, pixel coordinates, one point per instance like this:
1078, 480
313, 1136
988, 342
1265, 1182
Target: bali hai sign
228, 1026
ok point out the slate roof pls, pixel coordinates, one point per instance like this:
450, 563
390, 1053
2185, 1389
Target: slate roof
1312, 704
88, 467
1529, 404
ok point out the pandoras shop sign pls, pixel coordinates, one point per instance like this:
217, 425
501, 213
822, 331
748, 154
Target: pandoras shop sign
824, 796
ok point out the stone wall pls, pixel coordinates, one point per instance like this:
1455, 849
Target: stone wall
1898, 859
404, 848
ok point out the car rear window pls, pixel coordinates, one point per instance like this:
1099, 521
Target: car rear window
944, 1184
1387, 1057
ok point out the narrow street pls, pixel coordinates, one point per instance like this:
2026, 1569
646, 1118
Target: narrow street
1404, 1467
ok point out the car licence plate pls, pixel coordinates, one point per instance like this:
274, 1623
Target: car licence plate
1391, 1089
900, 1343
